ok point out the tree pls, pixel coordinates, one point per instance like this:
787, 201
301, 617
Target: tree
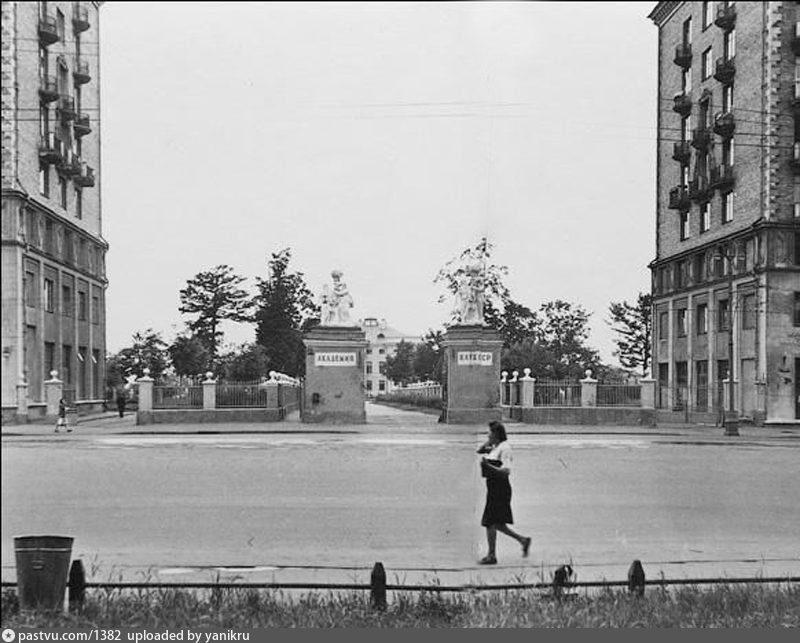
148, 350
563, 331
530, 354
633, 325
214, 296
284, 309
427, 362
248, 364
400, 366
189, 356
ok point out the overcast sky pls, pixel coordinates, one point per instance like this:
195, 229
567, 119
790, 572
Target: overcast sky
380, 139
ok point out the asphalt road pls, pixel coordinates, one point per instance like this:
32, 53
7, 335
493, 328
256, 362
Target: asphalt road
406, 491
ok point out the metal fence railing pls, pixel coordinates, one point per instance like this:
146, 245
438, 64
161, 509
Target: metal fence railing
177, 397
557, 393
619, 395
241, 395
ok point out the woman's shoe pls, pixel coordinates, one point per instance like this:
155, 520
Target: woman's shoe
488, 560
526, 545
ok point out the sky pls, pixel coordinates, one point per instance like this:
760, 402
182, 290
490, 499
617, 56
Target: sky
379, 139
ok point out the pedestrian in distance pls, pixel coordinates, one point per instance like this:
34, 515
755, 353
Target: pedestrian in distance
122, 400
62, 417
497, 516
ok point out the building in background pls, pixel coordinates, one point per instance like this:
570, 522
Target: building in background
726, 276
382, 341
53, 251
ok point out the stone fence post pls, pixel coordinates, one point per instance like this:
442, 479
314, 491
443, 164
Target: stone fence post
145, 393
648, 393
513, 389
209, 392
53, 392
22, 400
272, 393
588, 390
527, 384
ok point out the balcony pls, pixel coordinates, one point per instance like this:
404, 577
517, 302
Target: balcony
701, 138
86, 176
724, 125
679, 198
48, 31
682, 152
725, 70
722, 178
700, 190
66, 108
81, 72
682, 104
80, 17
70, 165
726, 16
683, 55
50, 149
81, 125
48, 90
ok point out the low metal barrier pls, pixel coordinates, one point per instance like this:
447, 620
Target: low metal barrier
177, 397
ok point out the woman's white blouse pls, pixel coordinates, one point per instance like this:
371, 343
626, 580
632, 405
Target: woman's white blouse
502, 452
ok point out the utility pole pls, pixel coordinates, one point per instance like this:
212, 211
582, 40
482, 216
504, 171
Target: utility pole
731, 421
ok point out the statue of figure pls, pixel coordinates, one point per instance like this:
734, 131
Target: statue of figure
336, 302
470, 296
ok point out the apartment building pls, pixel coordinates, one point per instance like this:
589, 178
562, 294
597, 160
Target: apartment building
382, 341
53, 251
726, 276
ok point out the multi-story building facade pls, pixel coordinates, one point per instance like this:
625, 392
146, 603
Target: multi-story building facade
53, 251
382, 341
726, 277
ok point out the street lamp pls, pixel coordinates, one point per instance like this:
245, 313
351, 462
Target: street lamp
731, 421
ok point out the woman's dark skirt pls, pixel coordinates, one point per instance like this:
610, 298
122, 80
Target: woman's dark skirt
498, 503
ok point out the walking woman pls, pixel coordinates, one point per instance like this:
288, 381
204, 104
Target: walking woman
496, 468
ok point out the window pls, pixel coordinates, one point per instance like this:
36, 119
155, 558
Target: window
708, 14
49, 299
727, 98
44, 179
44, 123
49, 357
29, 289
729, 44
381, 351
681, 322
369, 368
62, 187
680, 274
663, 326
727, 152
749, 312
66, 301
705, 217
95, 373
684, 225
369, 351
797, 309
702, 319
382, 385
82, 311
797, 248
60, 24
66, 364
706, 64
79, 203
723, 315
722, 369
727, 207
700, 273
687, 31
369, 385
382, 368
95, 310
686, 80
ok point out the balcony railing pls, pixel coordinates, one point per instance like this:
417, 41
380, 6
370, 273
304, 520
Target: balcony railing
86, 176
700, 189
722, 178
726, 16
50, 149
70, 165
682, 152
80, 17
682, 104
679, 198
48, 90
701, 138
724, 124
725, 70
683, 55
48, 31
81, 72
81, 126
66, 108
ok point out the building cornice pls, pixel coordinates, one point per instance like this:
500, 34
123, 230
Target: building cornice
662, 11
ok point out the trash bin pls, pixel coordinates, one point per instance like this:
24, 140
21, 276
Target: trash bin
42, 568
